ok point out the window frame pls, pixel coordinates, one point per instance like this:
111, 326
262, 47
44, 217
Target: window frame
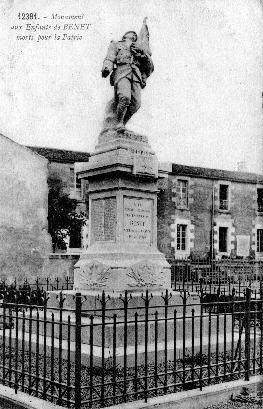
259, 205
181, 234
260, 240
182, 193
225, 228
76, 185
225, 207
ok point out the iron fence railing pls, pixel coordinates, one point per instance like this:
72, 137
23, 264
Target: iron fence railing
186, 274
32, 293
230, 273
97, 351
43, 283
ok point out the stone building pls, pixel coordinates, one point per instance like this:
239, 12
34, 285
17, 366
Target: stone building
210, 213
201, 212
24, 241
63, 166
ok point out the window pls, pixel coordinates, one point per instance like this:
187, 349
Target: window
75, 185
182, 193
75, 237
222, 239
181, 236
223, 197
78, 186
260, 240
260, 200
71, 178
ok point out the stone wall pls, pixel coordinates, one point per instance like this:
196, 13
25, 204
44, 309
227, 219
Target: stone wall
203, 219
196, 215
64, 174
165, 212
200, 206
243, 208
24, 240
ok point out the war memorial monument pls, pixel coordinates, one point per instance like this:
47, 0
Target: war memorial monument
122, 174
122, 269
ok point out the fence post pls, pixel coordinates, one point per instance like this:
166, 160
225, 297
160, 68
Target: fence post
261, 328
146, 305
247, 333
184, 335
78, 351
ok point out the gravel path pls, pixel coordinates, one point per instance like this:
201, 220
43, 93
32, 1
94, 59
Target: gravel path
234, 405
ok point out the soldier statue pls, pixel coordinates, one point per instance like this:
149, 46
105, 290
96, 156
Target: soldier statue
130, 64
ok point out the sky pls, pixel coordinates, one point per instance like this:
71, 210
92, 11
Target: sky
202, 106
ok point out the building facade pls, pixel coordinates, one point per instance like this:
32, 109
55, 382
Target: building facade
24, 240
211, 213
202, 213
63, 166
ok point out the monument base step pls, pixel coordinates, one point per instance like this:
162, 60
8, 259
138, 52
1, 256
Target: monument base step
106, 332
160, 350
120, 268
115, 303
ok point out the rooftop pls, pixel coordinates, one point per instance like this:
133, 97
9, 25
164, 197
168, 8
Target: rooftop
66, 156
61, 155
217, 174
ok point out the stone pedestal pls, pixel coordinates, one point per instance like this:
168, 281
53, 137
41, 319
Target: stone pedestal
122, 252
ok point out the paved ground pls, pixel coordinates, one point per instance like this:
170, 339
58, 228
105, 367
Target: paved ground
7, 405
234, 405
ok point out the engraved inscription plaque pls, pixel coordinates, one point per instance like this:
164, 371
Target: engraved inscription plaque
144, 163
103, 219
138, 220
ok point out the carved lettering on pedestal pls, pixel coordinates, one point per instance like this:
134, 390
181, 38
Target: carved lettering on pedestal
138, 220
144, 162
103, 219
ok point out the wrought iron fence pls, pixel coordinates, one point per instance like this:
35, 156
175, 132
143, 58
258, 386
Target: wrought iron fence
89, 352
186, 274
32, 292
46, 284
226, 273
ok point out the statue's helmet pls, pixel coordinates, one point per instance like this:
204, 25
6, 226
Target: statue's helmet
131, 32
